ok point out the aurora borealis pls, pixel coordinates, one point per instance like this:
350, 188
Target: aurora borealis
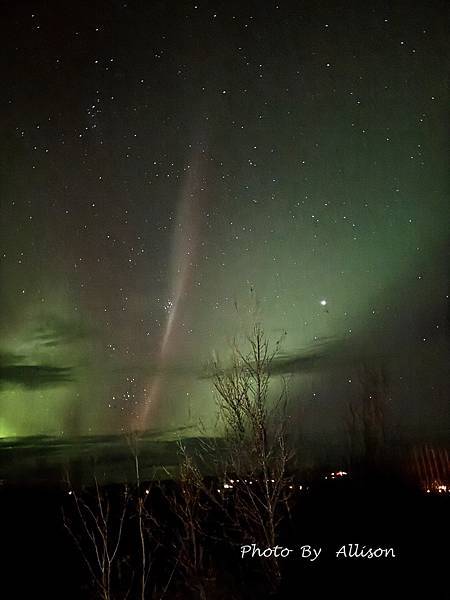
166, 167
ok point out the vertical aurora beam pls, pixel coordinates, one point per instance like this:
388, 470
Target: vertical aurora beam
182, 262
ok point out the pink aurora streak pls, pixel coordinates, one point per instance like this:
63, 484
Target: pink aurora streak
183, 252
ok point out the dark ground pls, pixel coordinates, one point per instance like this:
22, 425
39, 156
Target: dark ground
40, 560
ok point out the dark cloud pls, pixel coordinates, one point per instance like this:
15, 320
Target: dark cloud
31, 376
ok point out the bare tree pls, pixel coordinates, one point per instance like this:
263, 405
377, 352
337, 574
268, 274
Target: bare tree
146, 522
187, 505
98, 523
366, 417
257, 453
98, 534
251, 460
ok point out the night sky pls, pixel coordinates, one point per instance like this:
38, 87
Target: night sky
171, 171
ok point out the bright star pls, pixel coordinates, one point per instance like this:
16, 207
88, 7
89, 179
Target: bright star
323, 302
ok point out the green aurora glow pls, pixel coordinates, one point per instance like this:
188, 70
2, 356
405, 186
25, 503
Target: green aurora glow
320, 175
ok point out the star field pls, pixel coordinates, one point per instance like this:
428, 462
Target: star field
166, 167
